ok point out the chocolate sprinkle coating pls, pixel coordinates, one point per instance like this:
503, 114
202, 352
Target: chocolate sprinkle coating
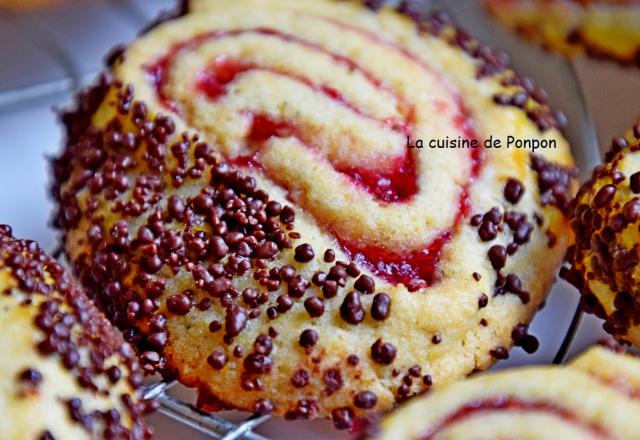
79, 350
603, 261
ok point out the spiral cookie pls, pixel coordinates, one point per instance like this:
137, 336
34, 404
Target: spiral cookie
65, 371
604, 261
602, 28
596, 397
238, 195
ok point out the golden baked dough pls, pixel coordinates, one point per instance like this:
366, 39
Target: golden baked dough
65, 371
595, 397
605, 260
337, 271
602, 28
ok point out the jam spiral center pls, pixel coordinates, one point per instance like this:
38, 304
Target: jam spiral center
391, 179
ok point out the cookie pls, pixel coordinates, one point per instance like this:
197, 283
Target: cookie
603, 264
602, 29
244, 194
595, 397
66, 373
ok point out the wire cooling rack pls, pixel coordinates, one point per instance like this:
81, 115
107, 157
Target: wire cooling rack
170, 406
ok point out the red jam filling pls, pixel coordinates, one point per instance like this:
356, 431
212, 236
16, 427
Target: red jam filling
511, 404
397, 184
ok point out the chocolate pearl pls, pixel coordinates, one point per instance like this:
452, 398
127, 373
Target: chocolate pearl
151, 263
266, 250
604, 196
157, 340
329, 256
337, 273
497, 256
380, 307
308, 338
319, 278
342, 418
523, 233
519, 99
329, 289
513, 283
427, 380
214, 326
530, 344
114, 374
383, 353
284, 303
619, 143
219, 248
365, 400
636, 131
287, 273
513, 191
273, 208
235, 321
298, 286
617, 177
415, 371
353, 359
202, 204
263, 344
176, 208
351, 309
218, 359
145, 235
219, 287
352, 270
483, 301
233, 238
631, 210
287, 215
150, 357
488, 231
436, 339
365, 284
238, 351
494, 215
314, 306
500, 353
250, 297
257, 363
304, 253
31, 375
180, 304
502, 99
263, 406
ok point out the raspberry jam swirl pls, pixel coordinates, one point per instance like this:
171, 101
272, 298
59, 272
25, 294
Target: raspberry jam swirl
576, 401
339, 120
489, 408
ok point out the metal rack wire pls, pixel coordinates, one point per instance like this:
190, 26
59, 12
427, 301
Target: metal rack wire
204, 422
172, 407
